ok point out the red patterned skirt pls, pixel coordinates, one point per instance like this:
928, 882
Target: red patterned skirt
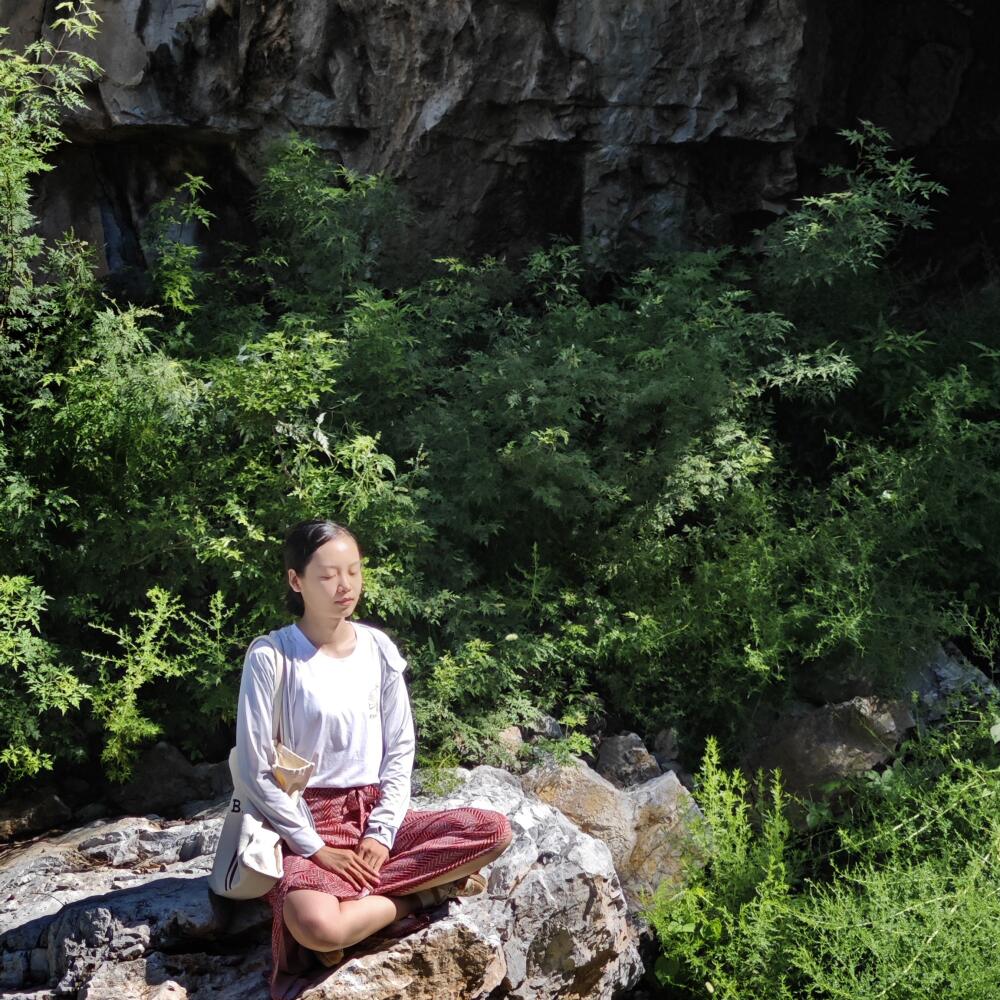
428, 843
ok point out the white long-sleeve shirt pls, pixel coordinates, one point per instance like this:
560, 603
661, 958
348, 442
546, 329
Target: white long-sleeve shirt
346, 714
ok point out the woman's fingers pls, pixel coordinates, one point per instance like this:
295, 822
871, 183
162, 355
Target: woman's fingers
358, 878
364, 872
372, 859
365, 864
349, 874
352, 867
373, 853
344, 865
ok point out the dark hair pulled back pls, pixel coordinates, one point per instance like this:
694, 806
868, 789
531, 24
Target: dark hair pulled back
301, 541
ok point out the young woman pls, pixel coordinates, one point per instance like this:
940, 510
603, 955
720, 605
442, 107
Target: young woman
356, 858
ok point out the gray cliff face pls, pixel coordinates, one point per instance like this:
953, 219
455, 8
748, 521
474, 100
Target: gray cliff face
687, 121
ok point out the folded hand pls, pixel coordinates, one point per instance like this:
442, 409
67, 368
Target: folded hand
373, 852
348, 864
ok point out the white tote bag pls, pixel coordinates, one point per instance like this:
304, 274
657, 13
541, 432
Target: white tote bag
248, 859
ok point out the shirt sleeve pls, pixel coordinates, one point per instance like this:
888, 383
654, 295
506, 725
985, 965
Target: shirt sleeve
398, 744
254, 751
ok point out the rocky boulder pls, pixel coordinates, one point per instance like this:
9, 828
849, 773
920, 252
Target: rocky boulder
932, 676
118, 910
942, 675
511, 742
812, 746
624, 760
543, 727
164, 779
21, 818
647, 827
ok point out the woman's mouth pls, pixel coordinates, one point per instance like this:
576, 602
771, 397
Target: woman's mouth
345, 600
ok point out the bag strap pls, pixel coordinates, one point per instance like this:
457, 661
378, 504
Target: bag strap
279, 685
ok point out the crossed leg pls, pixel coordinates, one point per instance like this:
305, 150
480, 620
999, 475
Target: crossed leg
322, 922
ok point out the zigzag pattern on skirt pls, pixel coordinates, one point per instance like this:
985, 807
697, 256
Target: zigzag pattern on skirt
429, 843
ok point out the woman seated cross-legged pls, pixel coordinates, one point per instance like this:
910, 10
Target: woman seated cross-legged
356, 857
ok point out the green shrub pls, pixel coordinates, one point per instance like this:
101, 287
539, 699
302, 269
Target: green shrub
894, 899
36, 684
726, 931
852, 230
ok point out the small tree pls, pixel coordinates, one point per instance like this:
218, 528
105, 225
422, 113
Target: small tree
853, 229
36, 87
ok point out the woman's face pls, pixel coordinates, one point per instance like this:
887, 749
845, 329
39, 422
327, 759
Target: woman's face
331, 583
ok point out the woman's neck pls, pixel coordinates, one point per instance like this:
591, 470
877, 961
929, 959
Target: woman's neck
333, 636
